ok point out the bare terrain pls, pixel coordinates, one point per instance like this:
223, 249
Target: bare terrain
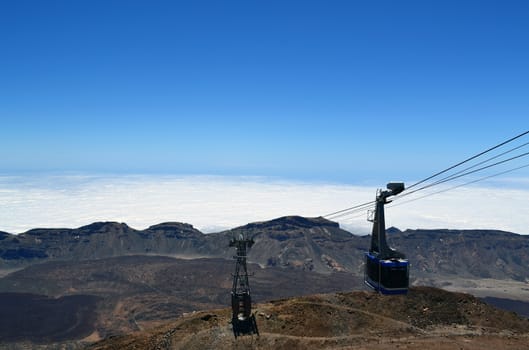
131, 293
37, 318
109, 280
426, 317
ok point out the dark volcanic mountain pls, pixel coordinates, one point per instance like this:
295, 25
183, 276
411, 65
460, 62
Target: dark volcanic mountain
108, 278
311, 244
466, 253
103, 240
308, 244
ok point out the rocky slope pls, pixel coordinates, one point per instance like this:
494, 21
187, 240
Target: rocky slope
129, 293
135, 283
467, 253
426, 317
311, 244
99, 240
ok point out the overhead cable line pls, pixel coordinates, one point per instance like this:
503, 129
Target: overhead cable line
357, 207
453, 177
483, 162
355, 211
469, 159
358, 215
459, 174
368, 205
461, 185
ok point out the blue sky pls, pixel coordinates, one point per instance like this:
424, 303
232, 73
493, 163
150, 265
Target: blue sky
219, 113
313, 90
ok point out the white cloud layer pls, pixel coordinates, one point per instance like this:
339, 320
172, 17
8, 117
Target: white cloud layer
217, 203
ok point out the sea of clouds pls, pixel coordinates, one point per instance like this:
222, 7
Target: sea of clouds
213, 203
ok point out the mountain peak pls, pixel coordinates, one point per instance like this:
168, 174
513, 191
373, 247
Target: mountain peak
294, 221
393, 230
105, 226
171, 226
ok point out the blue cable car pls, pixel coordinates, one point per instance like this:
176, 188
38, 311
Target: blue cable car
386, 270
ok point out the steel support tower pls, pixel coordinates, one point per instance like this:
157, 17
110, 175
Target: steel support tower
243, 321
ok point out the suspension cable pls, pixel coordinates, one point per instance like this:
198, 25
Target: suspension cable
456, 175
351, 208
469, 159
461, 185
453, 177
355, 211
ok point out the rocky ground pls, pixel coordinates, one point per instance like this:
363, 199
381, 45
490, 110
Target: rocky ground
425, 318
113, 280
119, 295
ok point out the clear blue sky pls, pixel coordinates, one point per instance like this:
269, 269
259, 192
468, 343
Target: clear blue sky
324, 90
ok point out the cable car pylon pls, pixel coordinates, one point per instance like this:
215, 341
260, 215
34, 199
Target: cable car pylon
243, 321
386, 270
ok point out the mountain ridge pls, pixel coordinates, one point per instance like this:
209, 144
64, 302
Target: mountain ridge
313, 244
144, 278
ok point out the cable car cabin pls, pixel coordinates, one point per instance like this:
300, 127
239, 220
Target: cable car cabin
387, 276
386, 270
